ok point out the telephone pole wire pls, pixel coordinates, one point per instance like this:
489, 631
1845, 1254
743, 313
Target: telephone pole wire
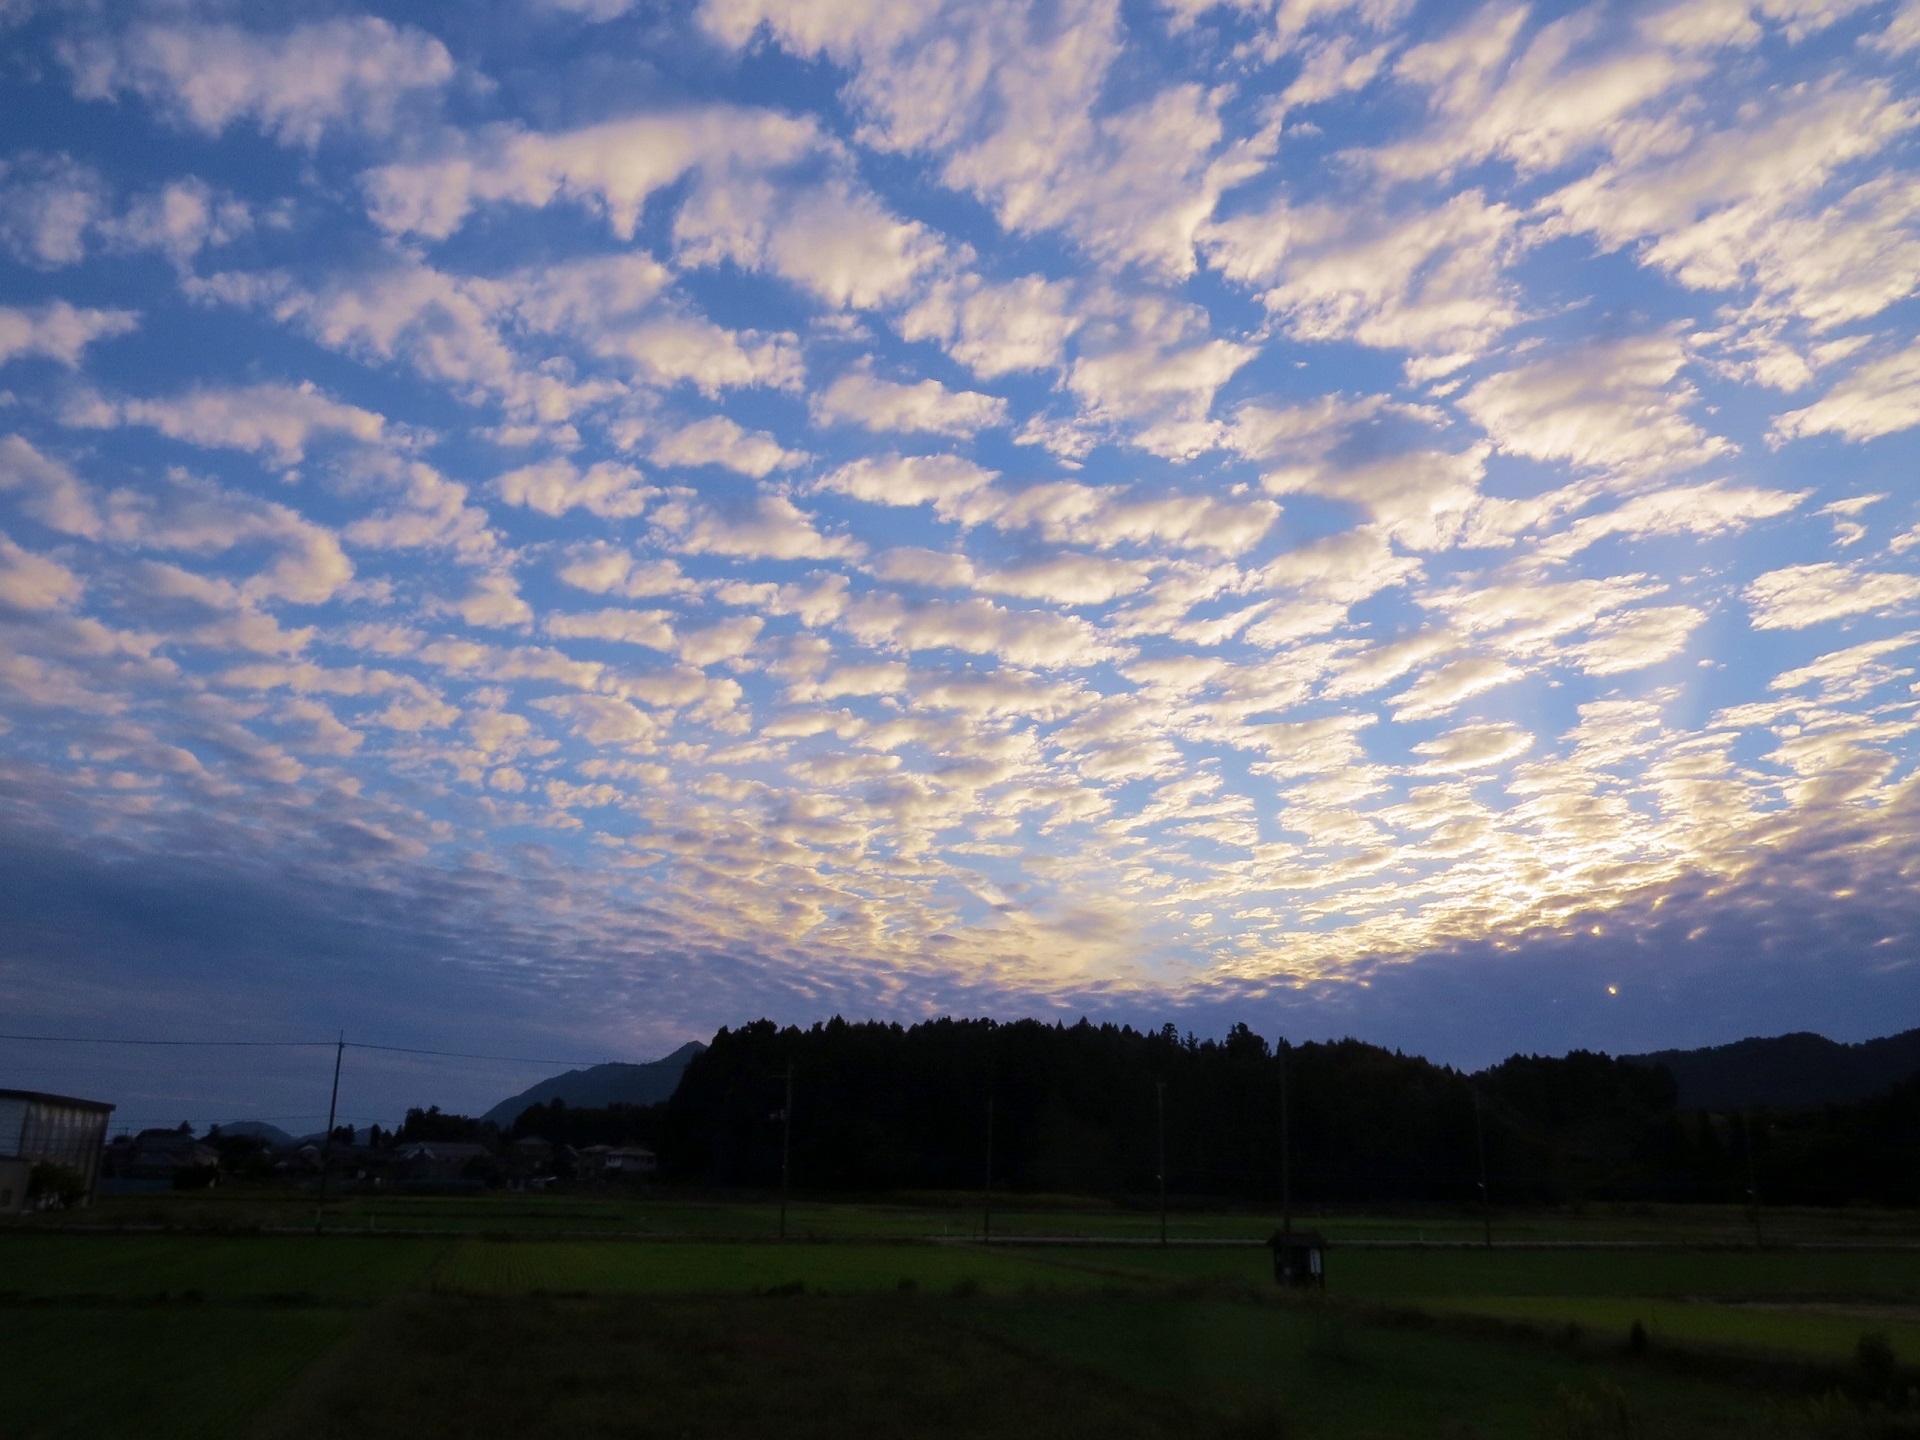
986, 1197
786, 1149
326, 1145
1480, 1148
1160, 1097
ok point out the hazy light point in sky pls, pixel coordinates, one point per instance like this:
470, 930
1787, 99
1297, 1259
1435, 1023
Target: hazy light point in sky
580, 522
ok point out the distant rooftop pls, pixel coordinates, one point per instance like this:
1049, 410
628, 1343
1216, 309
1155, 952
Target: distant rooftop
42, 1097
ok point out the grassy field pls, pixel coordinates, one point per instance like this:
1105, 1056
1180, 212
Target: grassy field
522, 1268
497, 1316
959, 1217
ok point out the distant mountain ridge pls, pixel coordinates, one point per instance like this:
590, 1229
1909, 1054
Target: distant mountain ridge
602, 1085
1797, 1071
257, 1130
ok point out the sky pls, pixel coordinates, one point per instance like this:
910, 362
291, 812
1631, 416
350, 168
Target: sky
543, 529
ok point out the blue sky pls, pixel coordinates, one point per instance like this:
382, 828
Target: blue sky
550, 528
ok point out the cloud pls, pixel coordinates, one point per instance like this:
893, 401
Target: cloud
727, 640
1729, 208
1536, 105
995, 329
58, 330
50, 206
1878, 398
1425, 499
612, 167
651, 628
1430, 282
1439, 691
277, 421
774, 529
494, 601
1798, 596
602, 569
1703, 510
473, 332
1153, 368
51, 493
47, 205
195, 517
1636, 639
716, 440
1021, 125
1616, 405
1471, 747
1071, 580
348, 71
34, 582
1028, 638
942, 481
833, 241
553, 487
858, 397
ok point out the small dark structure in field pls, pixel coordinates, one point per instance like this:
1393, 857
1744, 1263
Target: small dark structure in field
1299, 1258
41, 1129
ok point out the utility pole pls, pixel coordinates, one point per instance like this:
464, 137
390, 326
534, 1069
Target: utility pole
986, 1201
1753, 1182
326, 1145
786, 1149
1160, 1096
1480, 1145
1286, 1170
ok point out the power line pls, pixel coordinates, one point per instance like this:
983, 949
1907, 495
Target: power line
118, 1040
309, 1044
464, 1055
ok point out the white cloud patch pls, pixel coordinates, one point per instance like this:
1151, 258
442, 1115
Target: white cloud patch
717, 440
1621, 405
34, 582
651, 628
611, 168
859, 397
773, 529
1031, 638
276, 421
1800, 596
58, 331
1878, 398
49, 491
294, 85
553, 487
943, 481
1429, 283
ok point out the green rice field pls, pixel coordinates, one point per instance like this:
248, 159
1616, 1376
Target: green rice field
529, 1316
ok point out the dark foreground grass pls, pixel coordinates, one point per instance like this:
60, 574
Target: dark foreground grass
148, 1267
616, 1267
1413, 1274
153, 1372
1334, 1376
796, 1367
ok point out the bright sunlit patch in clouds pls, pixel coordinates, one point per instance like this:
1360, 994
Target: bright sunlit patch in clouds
804, 505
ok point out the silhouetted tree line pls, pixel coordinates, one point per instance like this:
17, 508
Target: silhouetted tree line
616, 1124
882, 1107
430, 1125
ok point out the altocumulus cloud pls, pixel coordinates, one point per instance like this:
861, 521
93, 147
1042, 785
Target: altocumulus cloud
1301, 512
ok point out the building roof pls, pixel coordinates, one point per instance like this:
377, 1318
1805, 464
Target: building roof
41, 1097
442, 1149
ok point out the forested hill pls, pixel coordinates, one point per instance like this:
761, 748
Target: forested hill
1789, 1071
600, 1086
1075, 1109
